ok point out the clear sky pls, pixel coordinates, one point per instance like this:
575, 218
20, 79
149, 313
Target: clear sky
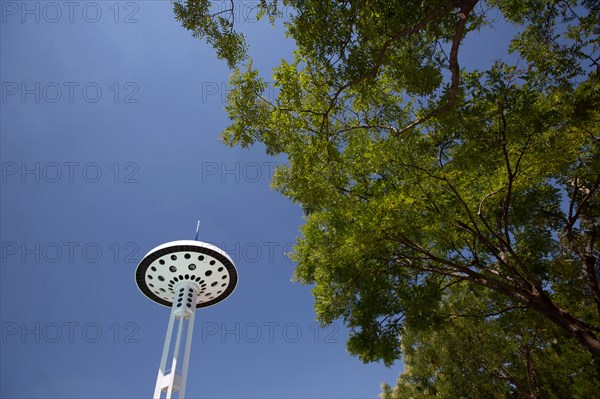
110, 114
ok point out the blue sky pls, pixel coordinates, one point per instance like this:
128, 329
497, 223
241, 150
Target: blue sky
110, 114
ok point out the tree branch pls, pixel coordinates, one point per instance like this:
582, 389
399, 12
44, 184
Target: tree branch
379, 59
453, 66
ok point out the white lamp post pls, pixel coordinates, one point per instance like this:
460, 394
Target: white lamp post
183, 275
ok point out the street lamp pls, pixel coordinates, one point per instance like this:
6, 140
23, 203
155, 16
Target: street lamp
184, 275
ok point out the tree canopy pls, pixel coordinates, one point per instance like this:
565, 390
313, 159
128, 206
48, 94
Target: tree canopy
452, 213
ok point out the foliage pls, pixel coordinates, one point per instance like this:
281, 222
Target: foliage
433, 191
491, 354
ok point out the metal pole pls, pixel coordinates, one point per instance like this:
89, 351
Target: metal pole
173, 380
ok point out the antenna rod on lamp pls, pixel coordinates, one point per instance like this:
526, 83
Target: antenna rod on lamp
197, 230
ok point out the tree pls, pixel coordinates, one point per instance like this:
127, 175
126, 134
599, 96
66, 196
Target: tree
510, 352
422, 179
